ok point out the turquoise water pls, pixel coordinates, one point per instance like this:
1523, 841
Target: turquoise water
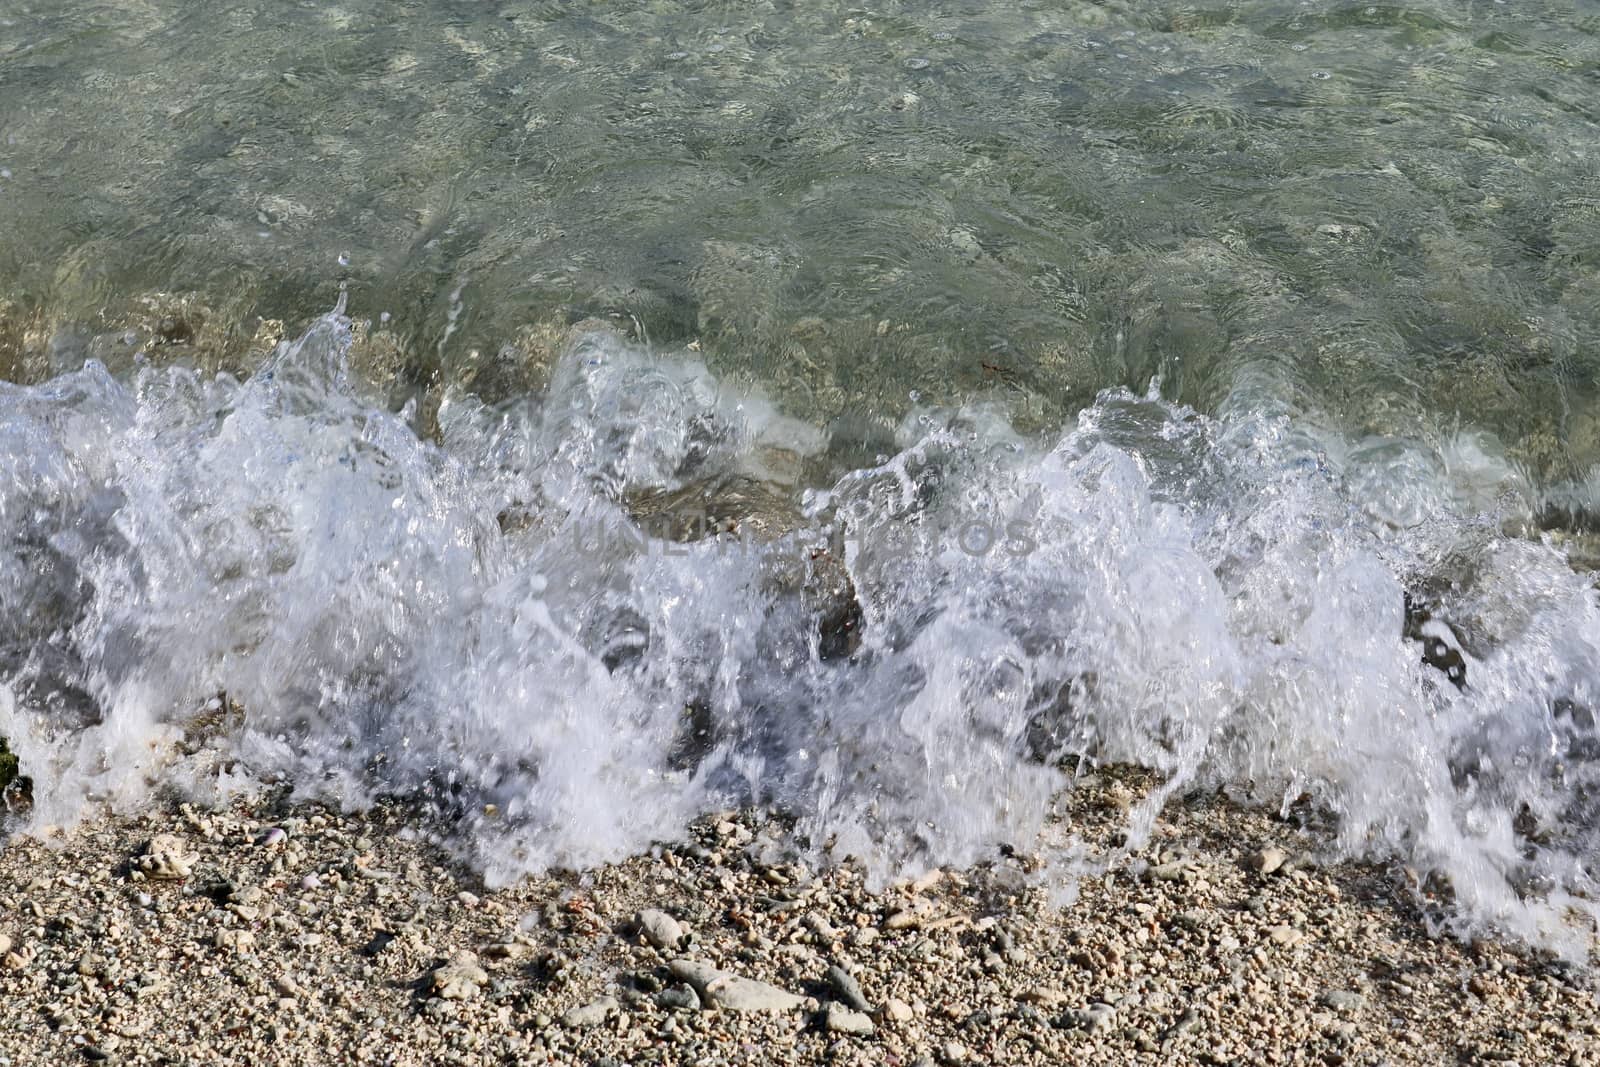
1259, 338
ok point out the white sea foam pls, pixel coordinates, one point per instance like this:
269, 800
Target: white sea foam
1221, 599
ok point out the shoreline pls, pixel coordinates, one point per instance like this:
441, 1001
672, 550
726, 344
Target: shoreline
272, 933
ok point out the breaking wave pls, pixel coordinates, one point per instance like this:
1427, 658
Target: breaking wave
573, 622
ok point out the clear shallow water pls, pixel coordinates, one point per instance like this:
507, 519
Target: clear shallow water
1385, 212
1230, 328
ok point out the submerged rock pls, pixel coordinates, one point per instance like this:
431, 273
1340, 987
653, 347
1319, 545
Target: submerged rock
9, 768
1441, 644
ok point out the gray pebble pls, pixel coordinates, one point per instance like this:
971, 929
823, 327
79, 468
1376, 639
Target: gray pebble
1343, 1001
678, 998
847, 990
1096, 1017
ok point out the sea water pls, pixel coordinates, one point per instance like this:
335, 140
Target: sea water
875, 414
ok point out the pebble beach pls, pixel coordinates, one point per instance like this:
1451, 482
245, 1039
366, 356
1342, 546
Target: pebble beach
270, 932
909, 534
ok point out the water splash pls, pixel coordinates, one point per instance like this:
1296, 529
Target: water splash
903, 655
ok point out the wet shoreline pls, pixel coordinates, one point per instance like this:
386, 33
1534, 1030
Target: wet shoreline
277, 932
